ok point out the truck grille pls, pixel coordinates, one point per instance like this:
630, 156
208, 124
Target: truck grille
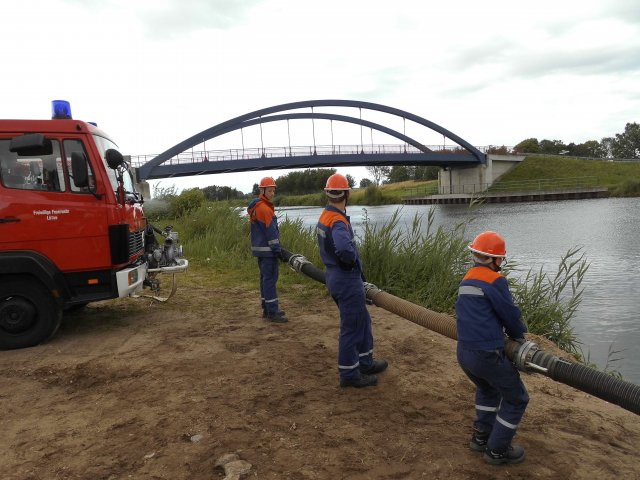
136, 242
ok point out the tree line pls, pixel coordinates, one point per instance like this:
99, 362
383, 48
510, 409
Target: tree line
622, 145
301, 182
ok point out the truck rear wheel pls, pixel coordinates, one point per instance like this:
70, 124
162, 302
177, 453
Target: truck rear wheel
29, 315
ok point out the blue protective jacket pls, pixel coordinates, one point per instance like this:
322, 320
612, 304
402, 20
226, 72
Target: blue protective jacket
485, 310
336, 241
265, 236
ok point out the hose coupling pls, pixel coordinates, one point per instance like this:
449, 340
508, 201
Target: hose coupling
297, 261
370, 290
523, 357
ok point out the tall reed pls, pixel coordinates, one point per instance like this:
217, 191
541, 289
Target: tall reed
549, 303
423, 266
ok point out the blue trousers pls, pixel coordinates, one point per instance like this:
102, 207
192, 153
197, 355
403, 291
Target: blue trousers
355, 347
268, 278
501, 397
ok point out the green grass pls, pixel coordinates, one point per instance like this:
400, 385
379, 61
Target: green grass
622, 178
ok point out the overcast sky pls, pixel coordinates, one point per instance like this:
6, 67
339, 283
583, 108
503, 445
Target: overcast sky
152, 73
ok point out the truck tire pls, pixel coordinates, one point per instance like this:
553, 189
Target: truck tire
29, 314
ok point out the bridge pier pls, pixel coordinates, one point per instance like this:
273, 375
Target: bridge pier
478, 178
144, 188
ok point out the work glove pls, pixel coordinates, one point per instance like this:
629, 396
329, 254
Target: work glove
519, 341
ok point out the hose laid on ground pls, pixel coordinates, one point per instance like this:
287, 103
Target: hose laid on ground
527, 357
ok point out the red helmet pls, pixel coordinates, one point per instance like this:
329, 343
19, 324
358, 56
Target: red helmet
267, 182
489, 243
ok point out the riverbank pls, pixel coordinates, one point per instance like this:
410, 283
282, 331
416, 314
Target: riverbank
617, 179
135, 389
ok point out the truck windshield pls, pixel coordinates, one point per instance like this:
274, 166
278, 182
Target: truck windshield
103, 145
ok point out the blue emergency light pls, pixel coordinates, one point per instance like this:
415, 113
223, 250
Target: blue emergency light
60, 110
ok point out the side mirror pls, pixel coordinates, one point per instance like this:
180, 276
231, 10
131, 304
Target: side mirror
31, 144
114, 158
79, 169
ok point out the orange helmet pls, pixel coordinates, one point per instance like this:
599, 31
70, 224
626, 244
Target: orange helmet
489, 243
337, 186
337, 182
267, 182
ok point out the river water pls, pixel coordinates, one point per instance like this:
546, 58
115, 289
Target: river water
538, 234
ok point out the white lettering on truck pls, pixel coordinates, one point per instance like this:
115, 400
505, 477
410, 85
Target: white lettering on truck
51, 214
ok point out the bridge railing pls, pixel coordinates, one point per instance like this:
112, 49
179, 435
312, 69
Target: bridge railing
291, 151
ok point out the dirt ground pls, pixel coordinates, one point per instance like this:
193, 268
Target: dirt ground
135, 389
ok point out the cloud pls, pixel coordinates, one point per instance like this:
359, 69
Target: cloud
379, 84
626, 10
592, 61
175, 17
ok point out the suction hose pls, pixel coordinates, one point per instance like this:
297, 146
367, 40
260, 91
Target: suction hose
527, 357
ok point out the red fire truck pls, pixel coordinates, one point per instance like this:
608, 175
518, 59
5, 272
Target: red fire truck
72, 227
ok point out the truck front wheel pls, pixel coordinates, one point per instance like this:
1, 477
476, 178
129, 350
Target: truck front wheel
29, 315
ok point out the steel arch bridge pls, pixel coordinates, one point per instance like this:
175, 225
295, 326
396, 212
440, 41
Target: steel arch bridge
169, 163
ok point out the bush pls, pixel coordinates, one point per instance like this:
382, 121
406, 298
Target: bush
216, 232
157, 208
188, 201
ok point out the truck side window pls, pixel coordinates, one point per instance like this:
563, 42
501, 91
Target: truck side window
71, 146
43, 172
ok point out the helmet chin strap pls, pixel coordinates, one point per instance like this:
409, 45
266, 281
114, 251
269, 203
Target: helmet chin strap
496, 267
489, 262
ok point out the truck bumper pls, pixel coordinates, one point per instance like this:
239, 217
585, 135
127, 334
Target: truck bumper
130, 280
181, 265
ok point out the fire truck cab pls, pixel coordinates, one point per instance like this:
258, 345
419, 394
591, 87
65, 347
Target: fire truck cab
72, 227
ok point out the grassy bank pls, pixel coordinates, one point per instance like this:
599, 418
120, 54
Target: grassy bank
621, 178
424, 267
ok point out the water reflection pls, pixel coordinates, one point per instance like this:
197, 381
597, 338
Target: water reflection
538, 234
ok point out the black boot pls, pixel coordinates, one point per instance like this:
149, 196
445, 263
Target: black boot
513, 454
478, 441
277, 317
378, 366
361, 382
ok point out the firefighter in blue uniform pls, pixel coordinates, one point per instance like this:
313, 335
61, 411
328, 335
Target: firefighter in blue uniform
265, 245
344, 279
485, 312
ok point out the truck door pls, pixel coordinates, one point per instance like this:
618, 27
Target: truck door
43, 210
